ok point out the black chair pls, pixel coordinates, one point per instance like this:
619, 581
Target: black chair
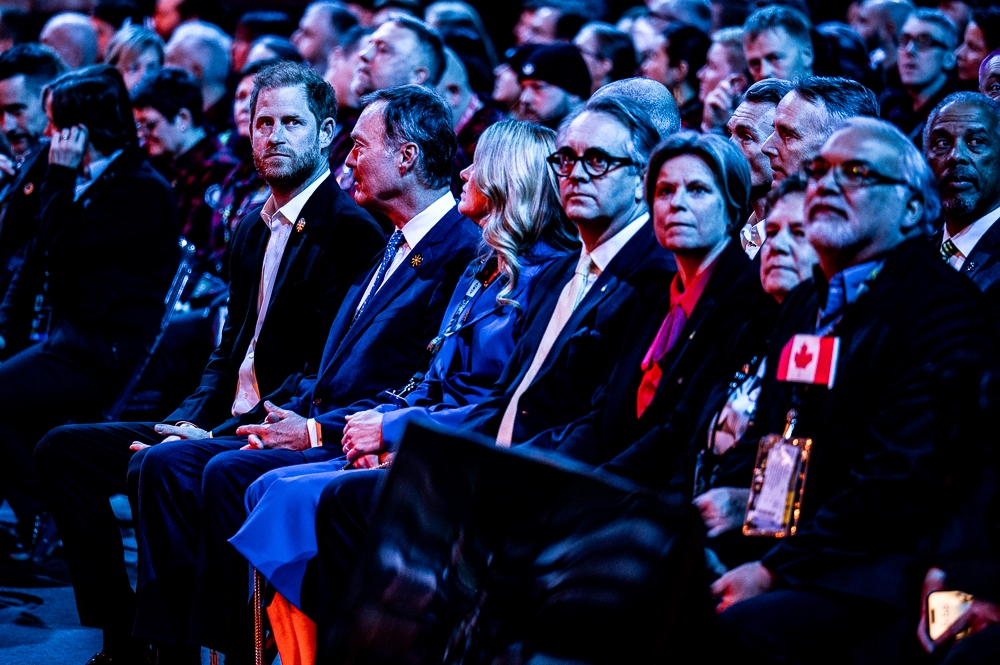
476, 552
181, 279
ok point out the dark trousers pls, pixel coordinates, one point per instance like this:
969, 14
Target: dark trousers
342, 519
80, 468
193, 585
798, 626
40, 390
982, 648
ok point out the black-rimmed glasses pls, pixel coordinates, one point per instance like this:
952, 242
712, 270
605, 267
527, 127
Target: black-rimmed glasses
849, 175
595, 161
922, 42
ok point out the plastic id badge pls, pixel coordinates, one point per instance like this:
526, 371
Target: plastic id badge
779, 479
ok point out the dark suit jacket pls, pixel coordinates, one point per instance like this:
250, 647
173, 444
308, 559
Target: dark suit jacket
387, 344
645, 449
319, 264
877, 476
983, 267
589, 346
21, 210
111, 256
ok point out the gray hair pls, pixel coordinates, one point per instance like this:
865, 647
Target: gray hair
643, 135
913, 168
658, 103
985, 103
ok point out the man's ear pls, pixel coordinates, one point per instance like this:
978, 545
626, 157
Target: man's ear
409, 153
420, 76
184, 116
640, 189
913, 215
682, 70
327, 128
949, 60
808, 56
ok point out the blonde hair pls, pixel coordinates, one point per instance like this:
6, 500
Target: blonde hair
523, 195
130, 42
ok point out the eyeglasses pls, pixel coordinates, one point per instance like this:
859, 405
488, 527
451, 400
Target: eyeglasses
922, 42
595, 161
849, 175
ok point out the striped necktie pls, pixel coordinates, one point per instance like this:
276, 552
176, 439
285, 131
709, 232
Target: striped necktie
948, 250
396, 240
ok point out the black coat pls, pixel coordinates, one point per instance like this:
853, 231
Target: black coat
646, 449
877, 478
387, 344
983, 267
319, 264
110, 257
584, 355
21, 210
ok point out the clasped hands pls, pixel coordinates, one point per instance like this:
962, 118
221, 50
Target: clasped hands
362, 441
281, 429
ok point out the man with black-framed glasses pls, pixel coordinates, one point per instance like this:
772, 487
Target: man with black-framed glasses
575, 331
927, 44
884, 457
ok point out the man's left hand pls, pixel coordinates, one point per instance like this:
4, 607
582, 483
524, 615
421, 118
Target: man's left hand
742, 583
281, 429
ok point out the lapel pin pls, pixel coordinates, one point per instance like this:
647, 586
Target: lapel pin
416, 260
301, 224
29, 188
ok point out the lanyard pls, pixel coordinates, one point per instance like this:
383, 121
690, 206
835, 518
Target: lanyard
462, 312
486, 276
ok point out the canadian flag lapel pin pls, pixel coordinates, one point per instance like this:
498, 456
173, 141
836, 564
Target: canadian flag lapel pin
809, 359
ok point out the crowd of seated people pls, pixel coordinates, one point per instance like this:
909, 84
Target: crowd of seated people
661, 246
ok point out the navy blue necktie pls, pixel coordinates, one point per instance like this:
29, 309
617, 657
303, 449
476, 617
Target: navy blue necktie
395, 242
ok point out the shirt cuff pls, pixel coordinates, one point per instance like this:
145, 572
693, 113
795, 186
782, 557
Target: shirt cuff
315, 431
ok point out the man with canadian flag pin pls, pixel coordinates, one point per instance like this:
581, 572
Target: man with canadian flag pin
852, 369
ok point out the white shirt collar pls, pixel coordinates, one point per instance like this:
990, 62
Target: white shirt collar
606, 251
289, 212
415, 229
966, 239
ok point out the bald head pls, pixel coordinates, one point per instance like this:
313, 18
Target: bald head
202, 50
454, 86
73, 37
693, 12
652, 96
879, 21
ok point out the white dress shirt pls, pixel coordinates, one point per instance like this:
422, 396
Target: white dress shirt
280, 223
93, 172
592, 265
752, 235
413, 232
966, 239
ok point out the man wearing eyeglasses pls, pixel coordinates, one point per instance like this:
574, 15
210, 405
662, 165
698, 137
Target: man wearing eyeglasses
926, 60
839, 588
575, 332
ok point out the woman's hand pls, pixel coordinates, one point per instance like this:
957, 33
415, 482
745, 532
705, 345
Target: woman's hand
362, 435
68, 146
722, 508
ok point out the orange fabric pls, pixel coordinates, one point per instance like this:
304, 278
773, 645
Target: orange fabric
294, 632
